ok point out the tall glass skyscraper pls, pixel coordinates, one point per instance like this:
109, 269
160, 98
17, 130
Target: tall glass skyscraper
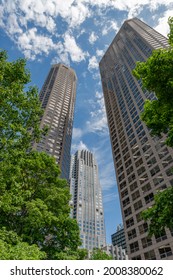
86, 201
143, 163
58, 96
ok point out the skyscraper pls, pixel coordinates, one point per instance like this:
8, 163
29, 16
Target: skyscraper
86, 202
58, 96
143, 163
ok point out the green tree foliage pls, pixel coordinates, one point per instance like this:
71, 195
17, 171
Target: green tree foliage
79, 254
99, 254
157, 76
12, 248
34, 201
161, 214
20, 109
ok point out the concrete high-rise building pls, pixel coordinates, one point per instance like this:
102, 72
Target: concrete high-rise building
143, 163
58, 96
86, 201
117, 253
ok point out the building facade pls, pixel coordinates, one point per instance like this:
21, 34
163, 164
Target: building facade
86, 201
143, 163
57, 97
118, 238
117, 253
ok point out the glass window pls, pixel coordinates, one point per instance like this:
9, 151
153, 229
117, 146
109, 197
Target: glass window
146, 188
126, 201
128, 211
150, 255
155, 170
149, 198
134, 247
124, 193
135, 195
132, 234
146, 242
143, 228
139, 217
137, 257
129, 222
138, 205
161, 236
133, 186
165, 252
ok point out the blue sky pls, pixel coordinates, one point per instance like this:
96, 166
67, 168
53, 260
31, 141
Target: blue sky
77, 33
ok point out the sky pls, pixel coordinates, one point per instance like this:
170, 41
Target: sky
77, 33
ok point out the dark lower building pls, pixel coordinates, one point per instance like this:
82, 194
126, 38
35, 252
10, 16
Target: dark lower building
118, 238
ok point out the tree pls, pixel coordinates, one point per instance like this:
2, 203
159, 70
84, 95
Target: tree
34, 200
79, 254
160, 215
157, 76
99, 254
12, 248
20, 109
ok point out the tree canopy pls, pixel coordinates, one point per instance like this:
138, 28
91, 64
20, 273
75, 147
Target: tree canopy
99, 254
20, 109
34, 200
160, 215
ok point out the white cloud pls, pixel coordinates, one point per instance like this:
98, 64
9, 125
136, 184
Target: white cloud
73, 49
99, 94
79, 13
99, 53
12, 25
98, 122
110, 25
162, 25
18, 18
74, 12
62, 54
37, 12
61, 58
96, 76
98, 125
93, 63
80, 33
79, 146
92, 38
32, 44
77, 133
126, 5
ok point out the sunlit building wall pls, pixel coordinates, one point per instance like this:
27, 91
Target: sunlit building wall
86, 201
143, 163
